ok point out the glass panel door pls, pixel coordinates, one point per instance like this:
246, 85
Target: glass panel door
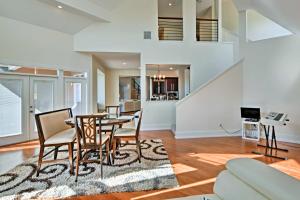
75, 95
43, 92
13, 109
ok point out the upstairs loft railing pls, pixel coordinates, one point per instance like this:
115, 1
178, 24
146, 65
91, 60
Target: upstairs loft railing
170, 28
207, 30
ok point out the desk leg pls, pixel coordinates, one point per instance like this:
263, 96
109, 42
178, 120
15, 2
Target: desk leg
267, 146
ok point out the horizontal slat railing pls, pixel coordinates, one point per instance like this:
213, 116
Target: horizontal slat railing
207, 30
170, 28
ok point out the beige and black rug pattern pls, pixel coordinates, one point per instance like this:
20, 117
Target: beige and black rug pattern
126, 175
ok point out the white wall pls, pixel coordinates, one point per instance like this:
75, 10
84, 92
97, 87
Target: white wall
125, 34
260, 28
33, 46
230, 16
216, 102
158, 115
29, 45
272, 78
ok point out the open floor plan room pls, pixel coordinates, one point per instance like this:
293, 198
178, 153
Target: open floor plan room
150, 99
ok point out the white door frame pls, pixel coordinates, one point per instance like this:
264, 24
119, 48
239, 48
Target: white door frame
24, 136
33, 134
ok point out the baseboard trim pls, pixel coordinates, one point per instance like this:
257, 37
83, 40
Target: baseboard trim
156, 127
286, 138
205, 134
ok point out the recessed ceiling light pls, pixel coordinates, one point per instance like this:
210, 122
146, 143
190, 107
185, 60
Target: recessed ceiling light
170, 4
59, 6
171, 68
124, 63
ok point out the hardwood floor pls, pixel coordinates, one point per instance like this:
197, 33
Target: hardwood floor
196, 163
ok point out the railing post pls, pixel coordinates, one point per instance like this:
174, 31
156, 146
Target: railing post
220, 34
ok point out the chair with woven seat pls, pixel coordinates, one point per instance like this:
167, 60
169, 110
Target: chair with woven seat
54, 132
129, 134
91, 140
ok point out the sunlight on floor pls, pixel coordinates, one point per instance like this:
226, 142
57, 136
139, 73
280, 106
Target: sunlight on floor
180, 168
219, 159
290, 167
207, 181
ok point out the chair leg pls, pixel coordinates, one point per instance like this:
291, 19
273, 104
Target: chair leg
40, 160
70, 149
138, 149
78, 158
107, 152
101, 161
55, 152
114, 150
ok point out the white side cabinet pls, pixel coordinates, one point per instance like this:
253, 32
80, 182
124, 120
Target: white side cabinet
251, 130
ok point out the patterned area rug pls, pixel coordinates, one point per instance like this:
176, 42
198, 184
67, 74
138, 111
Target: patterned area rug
127, 175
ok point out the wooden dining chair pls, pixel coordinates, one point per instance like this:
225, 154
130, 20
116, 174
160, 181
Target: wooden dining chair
113, 112
90, 140
54, 132
128, 134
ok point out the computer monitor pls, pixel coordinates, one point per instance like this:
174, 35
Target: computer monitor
250, 113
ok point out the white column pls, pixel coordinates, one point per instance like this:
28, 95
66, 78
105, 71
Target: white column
220, 18
189, 20
242, 32
143, 83
60, 89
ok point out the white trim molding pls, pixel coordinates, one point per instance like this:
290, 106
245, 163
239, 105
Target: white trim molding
204, 134
156, 127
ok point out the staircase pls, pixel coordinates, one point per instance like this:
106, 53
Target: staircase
136, 90
214, 103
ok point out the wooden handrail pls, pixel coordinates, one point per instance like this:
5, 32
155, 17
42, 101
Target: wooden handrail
203, 19
178, 18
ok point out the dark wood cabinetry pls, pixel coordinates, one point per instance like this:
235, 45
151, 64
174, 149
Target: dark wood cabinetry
172, 84
162, 87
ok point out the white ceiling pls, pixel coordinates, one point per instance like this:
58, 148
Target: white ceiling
108, 4
122, 60
164, 10
203, 6
45, 13
166, 67
284, 12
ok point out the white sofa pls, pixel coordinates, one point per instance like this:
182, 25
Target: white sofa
249, 179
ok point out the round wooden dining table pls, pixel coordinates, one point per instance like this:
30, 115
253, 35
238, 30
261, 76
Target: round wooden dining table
106, 121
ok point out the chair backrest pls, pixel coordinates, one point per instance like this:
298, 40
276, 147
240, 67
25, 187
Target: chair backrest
50, 123
138, 115
88, 127
113, 111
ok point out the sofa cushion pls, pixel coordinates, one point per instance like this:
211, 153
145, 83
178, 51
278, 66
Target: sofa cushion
270, 182
229, 187
65, 136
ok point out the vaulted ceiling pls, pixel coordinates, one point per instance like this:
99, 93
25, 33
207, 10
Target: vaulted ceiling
284, 12
71, 18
